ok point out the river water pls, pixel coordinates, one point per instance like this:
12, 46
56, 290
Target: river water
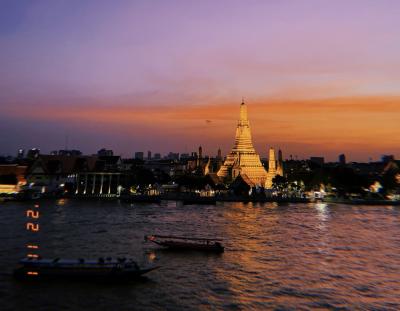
293, 256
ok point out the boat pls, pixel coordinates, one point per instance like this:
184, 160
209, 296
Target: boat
120, 269
184, 243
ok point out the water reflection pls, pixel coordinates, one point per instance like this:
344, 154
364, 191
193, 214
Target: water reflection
62, 202
294, 256
322, 212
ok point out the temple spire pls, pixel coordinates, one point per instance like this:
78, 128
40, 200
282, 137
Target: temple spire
243, 120
272, 161
243, 133
271, 168
243, 159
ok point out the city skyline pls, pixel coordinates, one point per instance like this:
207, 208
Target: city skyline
319, 79
221, 133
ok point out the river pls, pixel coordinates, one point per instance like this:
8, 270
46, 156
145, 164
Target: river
292, 256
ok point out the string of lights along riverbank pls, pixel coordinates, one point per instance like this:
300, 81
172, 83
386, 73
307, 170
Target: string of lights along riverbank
243, 159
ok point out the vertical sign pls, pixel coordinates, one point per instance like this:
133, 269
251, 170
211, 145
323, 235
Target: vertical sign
32, 225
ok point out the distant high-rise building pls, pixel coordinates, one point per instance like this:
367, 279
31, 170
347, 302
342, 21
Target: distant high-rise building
184, 156
33, 153
139, 155
105, 152
200, 157
21, 153
342, 159
219, 154
73, 152
149, 155
157, 156
172, 156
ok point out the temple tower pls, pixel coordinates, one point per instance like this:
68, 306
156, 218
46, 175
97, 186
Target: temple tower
279, 168
271, 168
271, 161
219, 154
207, 168
243, 159
199, 157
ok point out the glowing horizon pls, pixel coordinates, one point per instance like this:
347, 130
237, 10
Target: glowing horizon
325, 127
318, 78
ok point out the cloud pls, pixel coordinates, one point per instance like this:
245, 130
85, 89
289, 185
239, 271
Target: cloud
353, 125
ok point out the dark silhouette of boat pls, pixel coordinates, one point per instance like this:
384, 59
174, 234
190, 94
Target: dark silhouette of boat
108, 269
183, 243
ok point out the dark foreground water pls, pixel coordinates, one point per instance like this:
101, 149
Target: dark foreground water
295, 256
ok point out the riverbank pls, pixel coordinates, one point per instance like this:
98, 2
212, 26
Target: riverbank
185, 198
189, 198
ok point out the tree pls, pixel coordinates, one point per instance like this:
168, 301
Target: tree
390, 180
279, 182
345, 180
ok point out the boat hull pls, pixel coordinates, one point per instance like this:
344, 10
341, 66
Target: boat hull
39, 270
196, 248
181, 246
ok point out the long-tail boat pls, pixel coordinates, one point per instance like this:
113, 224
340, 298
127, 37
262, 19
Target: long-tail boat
108, 269
184, 243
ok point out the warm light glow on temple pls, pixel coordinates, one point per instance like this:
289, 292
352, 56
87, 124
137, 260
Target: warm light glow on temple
243, 159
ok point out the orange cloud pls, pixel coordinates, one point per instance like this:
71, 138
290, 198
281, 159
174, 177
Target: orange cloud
358, 126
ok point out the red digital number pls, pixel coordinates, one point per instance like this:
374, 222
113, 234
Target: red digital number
32, 227
32, 214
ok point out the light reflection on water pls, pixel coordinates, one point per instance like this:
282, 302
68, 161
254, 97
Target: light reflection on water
298, 256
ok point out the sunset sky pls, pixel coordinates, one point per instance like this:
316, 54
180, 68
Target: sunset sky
320, 77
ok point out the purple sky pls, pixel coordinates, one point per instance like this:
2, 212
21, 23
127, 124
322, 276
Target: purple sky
93, 54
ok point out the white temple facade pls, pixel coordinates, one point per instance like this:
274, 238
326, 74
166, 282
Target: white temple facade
271, 168
243, 159
275, 167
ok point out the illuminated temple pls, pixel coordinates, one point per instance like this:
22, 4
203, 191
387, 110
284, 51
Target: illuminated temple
243, 159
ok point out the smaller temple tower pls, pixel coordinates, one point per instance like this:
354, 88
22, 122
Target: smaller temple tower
272, 172
208, 167
279, 168
218, 161
219, 154
200, 157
